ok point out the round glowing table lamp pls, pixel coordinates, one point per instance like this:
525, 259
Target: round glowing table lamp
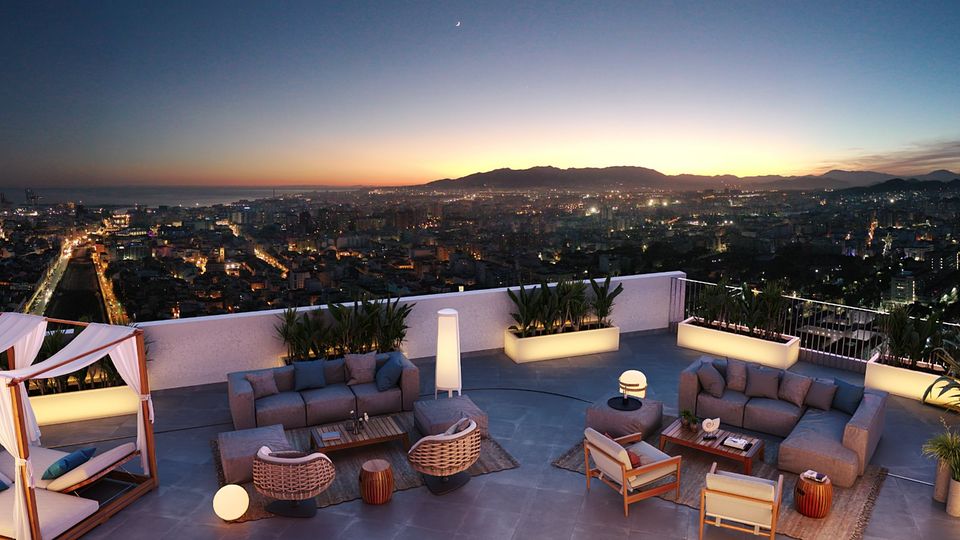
633, 385
231, 502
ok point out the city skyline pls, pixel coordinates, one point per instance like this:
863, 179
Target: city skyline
366, 95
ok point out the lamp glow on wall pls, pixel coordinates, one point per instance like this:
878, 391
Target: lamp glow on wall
448, 353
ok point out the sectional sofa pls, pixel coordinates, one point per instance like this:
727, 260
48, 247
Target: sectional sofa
822, 431
331, 403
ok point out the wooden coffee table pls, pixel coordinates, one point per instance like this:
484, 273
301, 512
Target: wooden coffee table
677, 434
379, 429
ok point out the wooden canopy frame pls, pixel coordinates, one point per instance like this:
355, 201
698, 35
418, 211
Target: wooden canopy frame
144, 483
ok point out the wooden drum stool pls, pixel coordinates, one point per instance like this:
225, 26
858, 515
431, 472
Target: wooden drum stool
376, 481
813, 499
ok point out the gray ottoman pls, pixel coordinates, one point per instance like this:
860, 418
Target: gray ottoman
433, 416
238, 448
646, 419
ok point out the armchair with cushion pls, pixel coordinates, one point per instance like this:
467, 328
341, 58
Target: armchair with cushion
294, 478
614, 468
740, 502
444, 459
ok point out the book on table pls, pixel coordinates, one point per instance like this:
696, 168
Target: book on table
330, 436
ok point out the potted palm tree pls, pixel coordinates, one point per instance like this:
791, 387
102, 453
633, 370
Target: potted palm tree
562, 320
945, 447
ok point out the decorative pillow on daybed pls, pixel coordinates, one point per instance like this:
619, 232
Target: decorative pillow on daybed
361, 368
263, 383
99, 463
68, 463
307, 375
389, 373
5, 482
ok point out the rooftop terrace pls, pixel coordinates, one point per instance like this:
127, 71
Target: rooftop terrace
536, 413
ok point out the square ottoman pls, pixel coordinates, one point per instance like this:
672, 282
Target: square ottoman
238, 448
646, 419
434, 416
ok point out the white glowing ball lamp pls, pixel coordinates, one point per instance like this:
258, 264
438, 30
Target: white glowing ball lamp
633, 383
448, 353
231, 502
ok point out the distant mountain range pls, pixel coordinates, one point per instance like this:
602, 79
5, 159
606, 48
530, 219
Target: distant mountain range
641, 177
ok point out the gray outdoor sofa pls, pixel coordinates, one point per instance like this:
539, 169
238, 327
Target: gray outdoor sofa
331, 403
827, 440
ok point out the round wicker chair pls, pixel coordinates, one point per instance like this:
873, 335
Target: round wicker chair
294, 478
444, 459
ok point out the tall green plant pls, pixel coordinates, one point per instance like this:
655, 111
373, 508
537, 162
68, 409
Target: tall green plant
715, 304
945, 446
286, 329
392, 330
574, 307
603, 300
526, 316
551, 312
946, 386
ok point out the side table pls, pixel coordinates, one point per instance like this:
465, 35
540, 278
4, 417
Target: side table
376, 481
605, 419
813, 499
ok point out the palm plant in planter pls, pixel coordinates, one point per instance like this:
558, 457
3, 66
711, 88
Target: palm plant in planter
945, 448
603, 298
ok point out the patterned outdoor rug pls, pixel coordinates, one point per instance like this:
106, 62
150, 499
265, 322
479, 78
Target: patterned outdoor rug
346, 487
848, 515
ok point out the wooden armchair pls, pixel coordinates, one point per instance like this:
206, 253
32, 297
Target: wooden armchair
751, 503
614, 469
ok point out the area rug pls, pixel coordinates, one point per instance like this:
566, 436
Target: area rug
346, 487
849, 512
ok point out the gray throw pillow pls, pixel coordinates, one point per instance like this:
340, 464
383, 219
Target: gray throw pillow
848, 396
821, 394
794, 388
762, 382
361, 368
263, 384
710, 380
736, 375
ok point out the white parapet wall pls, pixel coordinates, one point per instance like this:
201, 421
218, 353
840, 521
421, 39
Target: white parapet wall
202, 350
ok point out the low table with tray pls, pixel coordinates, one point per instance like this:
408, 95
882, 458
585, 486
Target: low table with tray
694, 438
378, 429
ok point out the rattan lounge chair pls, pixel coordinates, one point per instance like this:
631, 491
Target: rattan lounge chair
444, 459
294, 478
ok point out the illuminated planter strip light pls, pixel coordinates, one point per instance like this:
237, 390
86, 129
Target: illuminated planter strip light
84, 405
741, 347
567, 344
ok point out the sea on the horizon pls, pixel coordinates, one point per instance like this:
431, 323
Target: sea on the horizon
155, 196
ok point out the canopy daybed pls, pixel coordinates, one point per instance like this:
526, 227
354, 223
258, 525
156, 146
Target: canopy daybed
42, 509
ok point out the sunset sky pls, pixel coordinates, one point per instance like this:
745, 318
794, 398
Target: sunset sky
236, 93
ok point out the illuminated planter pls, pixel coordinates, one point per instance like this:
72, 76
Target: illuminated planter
902, 382
536, 348
84, 405
742, 347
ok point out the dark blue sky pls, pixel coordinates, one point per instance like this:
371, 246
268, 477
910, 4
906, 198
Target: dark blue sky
394, 92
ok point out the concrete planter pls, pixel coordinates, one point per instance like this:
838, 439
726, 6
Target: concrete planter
901, 382
741, 347
536, 348
84, 405
953, 499
942, 484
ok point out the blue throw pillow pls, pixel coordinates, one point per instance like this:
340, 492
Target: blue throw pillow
307, 375
4, 486
848, 396
68, 463
389, 373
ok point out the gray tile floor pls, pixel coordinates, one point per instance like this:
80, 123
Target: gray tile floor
536, 412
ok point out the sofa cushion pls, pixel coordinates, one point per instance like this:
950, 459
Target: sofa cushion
334, 371
736, 375
68, 463
307, 375
284, 377
388, 375
328, 404
848, 396
820, 394
710, 380
817, 443
762, 382
373, 402
728, 408
771, 416
285, 408
794, 388
738, 508
263, 382
238, 448
58, 512
361, 368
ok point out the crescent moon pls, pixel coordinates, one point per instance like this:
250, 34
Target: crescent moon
458, 23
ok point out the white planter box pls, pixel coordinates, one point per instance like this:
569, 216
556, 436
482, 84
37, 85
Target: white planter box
741, 347
84, 405
902, 382
536, 348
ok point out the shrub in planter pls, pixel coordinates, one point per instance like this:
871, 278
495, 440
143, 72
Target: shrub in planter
945, 447
565, 307
744, 310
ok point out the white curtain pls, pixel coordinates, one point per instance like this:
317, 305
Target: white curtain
24, 334
124, 357
8, 438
